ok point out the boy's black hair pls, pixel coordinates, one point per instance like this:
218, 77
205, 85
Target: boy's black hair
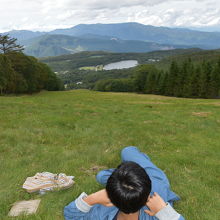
128, 187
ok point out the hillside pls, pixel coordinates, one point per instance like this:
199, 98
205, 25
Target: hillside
21, 74
196, 57
74, 61
81, 132
54, 45
68, 66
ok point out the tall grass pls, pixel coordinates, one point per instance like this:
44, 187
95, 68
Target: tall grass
81, 132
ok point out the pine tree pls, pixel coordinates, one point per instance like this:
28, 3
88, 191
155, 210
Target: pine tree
151, 82
188, 71
194, 83
180, 80
140, 78
172, 78
8, 45
159, 79
205, 80
161, 83
215, 81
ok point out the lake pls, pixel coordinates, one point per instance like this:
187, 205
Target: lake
121, 65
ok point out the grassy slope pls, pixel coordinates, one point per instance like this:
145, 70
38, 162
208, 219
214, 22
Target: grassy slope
73, 131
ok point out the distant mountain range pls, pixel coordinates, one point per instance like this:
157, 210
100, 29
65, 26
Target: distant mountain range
123, 37
54, 45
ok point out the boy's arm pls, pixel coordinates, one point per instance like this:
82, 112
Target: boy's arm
100, 197
160, 209
79, 210
83, 208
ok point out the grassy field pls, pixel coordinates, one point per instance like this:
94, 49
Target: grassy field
92, 68
81, 132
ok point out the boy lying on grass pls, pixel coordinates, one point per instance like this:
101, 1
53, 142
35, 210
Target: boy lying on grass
136, 190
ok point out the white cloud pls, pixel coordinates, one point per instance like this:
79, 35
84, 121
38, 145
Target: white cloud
52, 14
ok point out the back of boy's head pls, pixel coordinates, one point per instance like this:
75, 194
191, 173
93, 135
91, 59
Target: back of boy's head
128, 187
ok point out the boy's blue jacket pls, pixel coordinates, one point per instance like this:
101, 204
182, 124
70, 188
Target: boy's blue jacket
160, 184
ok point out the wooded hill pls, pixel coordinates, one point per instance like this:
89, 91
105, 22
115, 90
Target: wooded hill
188, 73
70, 62
183, 79
24, 74
196, 56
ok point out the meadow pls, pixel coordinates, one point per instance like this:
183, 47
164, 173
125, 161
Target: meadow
81, 132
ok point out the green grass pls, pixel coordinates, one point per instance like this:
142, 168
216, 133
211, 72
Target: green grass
73, 131
92, 68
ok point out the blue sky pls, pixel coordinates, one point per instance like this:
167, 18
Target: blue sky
45, 15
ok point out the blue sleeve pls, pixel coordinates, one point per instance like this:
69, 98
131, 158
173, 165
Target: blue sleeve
71, 212
133, 154
160, 182
102, 176
80, 210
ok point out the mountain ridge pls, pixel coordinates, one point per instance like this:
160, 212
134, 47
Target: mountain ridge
54, 45
135, 31
143, 35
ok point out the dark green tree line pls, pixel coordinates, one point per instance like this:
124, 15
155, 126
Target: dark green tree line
184, 79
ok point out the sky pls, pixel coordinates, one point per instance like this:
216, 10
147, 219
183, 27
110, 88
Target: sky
46, 15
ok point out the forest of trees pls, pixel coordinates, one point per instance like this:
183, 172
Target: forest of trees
185, 79
23, 74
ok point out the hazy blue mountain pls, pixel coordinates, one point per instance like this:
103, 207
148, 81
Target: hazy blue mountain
54, 45
136, 31
215, 28
23, 35
122, 37
95, 36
